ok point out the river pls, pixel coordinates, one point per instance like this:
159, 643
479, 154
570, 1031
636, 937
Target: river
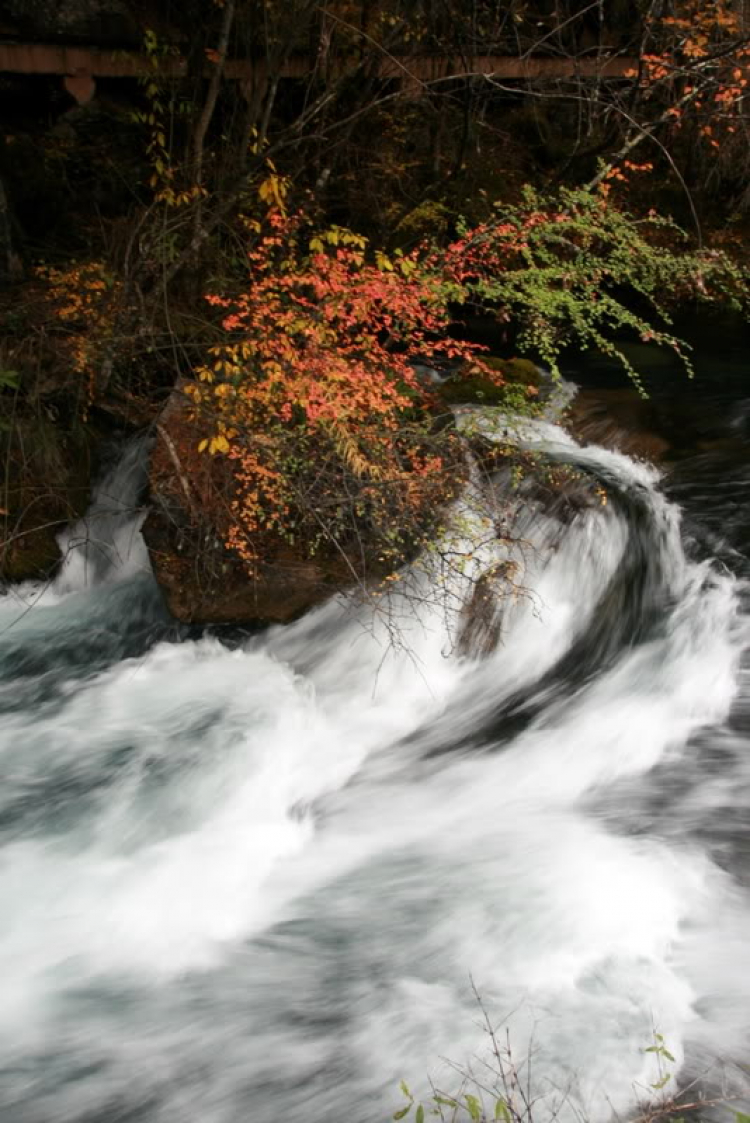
258, 877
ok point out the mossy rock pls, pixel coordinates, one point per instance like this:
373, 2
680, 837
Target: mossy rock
519, 371
470, 386
474, 388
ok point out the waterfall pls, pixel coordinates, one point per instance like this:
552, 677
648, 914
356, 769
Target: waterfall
106, 544
260, 880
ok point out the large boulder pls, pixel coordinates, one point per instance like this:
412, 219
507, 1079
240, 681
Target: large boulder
204, 582
192, 518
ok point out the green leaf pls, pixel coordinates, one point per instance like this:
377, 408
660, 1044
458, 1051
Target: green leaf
741, 1117
475, 1108
419, 1117
501, 1111
9, 379
662, 1083
405, 1089
404, 1111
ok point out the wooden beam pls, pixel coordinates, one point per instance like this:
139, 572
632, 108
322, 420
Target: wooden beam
46, 58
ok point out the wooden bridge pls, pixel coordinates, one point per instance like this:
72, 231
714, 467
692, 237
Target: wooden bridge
79, 67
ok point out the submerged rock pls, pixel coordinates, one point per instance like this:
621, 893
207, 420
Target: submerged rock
618, 419
665, 426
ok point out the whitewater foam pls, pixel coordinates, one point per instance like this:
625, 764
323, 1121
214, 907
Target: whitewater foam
254, 881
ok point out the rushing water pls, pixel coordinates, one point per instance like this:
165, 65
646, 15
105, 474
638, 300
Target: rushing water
255, 880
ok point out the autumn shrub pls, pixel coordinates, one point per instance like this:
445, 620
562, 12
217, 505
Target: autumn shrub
81, 302
315, 396
319, 396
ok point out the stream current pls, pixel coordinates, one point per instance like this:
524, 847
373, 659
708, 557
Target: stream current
257, 877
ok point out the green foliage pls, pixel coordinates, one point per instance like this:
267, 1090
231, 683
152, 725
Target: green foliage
505, 1092
575, 269
660, 1049
466, 1105
662, 1054
9, 379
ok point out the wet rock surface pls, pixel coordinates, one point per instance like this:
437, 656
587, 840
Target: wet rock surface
619, 419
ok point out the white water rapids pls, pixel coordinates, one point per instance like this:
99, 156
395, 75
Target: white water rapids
254, 880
